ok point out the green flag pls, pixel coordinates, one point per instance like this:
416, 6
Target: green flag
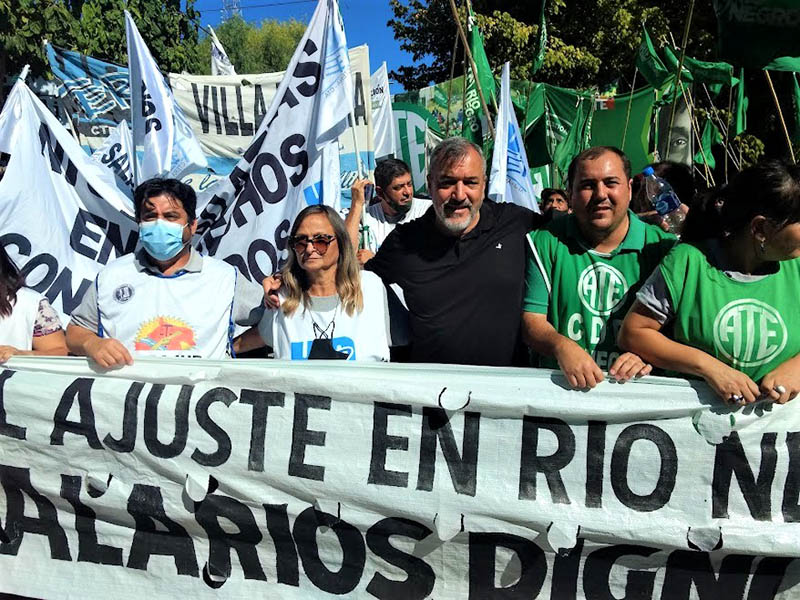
578, 138
538, 60
784, 63
648, 62
796, 109
754, 32
473, 110
700, 71
740, 110
711, 137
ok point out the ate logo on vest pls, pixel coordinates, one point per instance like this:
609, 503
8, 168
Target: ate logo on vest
602, 288
749, 332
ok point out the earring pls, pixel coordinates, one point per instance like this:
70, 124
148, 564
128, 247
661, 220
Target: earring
761, 246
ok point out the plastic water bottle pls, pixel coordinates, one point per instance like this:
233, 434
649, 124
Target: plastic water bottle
664, 200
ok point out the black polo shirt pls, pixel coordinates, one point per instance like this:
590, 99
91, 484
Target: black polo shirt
464, 294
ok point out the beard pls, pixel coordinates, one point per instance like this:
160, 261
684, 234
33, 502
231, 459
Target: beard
445, 219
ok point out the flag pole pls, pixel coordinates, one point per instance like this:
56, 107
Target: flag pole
450, 86
780, 115
630, 104
678, 75
472, 66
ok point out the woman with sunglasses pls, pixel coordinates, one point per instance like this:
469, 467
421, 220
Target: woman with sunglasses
330, 308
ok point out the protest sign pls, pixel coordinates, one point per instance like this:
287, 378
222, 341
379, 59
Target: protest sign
63, 229
164, 142
381, 105
286, 166
225, 112
510, 178
298, 480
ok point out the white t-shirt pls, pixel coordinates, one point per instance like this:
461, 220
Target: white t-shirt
187, 315
17, 329
380, 225
363, 336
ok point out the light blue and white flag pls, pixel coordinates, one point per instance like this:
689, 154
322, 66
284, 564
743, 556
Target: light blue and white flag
510, 178
382, 122
220, 63
160, 131
245, 218
116, 154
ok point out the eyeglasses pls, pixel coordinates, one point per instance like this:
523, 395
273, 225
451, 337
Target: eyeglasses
320, 242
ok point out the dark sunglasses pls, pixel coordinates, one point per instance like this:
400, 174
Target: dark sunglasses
320, 242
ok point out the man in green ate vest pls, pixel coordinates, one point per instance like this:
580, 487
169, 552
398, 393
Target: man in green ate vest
584, 270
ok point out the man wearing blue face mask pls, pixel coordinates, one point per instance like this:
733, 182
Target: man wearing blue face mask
165, 299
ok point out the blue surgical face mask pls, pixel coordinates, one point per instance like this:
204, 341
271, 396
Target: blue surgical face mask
161, 239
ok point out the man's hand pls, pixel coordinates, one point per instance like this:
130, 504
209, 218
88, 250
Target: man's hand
271, 286
108, 352
628, 366
363, 256
357, 193
577, 365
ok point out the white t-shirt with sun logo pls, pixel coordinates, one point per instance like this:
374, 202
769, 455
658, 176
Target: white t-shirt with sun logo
186, 315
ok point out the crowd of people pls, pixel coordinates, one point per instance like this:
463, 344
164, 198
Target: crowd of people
586, 286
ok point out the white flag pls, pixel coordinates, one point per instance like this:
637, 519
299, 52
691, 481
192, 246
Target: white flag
220, 63
61, 217
116, 153
160, 130
510, 179
246, 217
382, 122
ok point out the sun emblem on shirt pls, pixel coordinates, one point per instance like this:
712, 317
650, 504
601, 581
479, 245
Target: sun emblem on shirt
164, 333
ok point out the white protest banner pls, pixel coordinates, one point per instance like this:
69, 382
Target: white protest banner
225, 112
220, 63
116, 153
382, 122
243, 479
61, 214
168, 146
245, 218
510, 179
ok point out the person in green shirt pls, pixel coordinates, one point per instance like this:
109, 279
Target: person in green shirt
584, 269
730, 292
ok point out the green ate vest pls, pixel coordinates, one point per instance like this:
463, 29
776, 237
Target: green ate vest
746, 325
590, 293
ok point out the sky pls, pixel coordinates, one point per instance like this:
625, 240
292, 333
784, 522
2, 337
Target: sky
364, 23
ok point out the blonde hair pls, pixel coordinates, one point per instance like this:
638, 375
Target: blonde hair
348, 273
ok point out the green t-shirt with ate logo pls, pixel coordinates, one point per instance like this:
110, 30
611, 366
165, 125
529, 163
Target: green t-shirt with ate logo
586, 294
745, 324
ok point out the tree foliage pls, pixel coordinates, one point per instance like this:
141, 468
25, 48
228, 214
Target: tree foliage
263, 48
590, 43
97, 28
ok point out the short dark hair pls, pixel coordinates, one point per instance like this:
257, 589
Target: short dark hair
168, 187
388, 170
548, 192
596, 152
